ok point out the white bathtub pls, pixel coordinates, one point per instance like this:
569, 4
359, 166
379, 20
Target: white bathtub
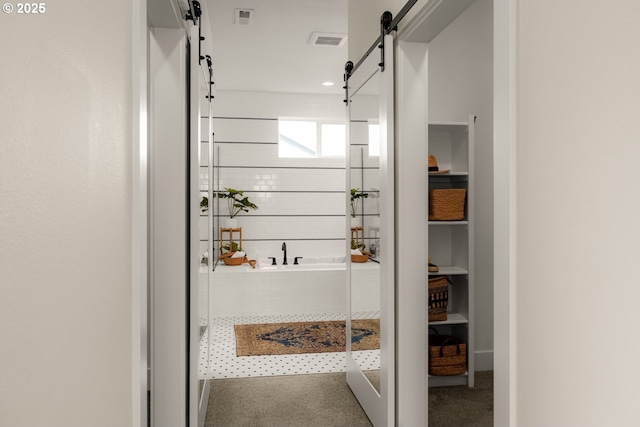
315, 285
323, 263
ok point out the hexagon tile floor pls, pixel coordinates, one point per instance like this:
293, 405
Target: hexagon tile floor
219, 359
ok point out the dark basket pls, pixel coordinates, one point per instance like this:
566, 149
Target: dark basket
447, 204
438, 298
447, 355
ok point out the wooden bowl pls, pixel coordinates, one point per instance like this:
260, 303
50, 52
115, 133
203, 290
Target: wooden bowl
226, 258
360, 258
234, 261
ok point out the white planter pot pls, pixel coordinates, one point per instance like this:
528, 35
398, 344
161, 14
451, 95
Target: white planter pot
231, 223
356, 222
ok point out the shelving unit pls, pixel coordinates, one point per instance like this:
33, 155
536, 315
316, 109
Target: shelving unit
450, 243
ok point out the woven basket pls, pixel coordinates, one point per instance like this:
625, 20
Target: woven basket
447, 355
438, 298
447, 204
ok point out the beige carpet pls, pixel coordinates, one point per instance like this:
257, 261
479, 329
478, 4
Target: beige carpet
461, 406
325, 400
313, 400
305, 337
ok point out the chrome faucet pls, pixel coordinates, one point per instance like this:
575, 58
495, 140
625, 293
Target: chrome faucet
284, 248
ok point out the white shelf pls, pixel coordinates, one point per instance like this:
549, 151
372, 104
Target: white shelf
444, 175
466, 374
442, 381
448, 126
448, 222
451, 242
449, 271
452, 319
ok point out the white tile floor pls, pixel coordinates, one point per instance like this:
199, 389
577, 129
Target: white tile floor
220, 361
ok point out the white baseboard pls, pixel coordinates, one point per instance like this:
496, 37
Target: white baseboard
204, 402
483, 360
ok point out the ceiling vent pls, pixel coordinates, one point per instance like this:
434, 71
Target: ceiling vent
327, 39
244, 16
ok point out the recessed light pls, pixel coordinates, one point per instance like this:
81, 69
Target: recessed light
328, 83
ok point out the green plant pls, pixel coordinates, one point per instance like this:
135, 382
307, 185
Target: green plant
236, 200
234, 248
355, 245
204, 204
356, 195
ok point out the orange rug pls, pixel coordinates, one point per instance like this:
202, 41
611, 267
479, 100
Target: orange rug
305, 337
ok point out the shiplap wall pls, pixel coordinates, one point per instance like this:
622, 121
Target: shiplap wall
301, 201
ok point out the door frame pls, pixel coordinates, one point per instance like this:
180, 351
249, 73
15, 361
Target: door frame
139, 214
505, 144
505, 21
505, 29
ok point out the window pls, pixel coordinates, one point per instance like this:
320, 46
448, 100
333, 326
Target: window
297, 138
311, 138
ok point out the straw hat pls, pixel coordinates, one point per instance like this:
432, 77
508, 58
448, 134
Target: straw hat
433, 166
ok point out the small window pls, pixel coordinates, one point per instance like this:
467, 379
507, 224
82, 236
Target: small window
297, 138
309, 138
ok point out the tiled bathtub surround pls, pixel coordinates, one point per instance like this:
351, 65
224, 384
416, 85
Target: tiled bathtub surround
301, 201
298, 199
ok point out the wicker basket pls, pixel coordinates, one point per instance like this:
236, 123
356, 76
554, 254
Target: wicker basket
447, 355
447, 204
438, 298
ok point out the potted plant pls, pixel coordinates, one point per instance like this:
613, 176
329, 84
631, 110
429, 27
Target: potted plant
237, 203
357, 245
356, 195
358, 254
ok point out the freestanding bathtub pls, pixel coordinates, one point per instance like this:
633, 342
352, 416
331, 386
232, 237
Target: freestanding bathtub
316, 285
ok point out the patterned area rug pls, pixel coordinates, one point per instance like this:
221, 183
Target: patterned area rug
305, 337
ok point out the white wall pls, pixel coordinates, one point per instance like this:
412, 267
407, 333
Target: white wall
460, 83
364, 22
65, 216
578, 209
364, 26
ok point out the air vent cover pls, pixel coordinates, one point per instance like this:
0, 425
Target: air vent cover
327, 39
244, 16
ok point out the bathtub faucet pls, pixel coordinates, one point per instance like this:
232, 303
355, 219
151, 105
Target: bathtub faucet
284, 248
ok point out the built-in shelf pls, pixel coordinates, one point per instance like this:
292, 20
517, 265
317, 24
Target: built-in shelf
451, 242
439, 381
449, 271
448, 126
441, 376
452, 319
444, 175
448, 222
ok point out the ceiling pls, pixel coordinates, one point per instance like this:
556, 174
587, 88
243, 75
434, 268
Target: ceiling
273, 54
